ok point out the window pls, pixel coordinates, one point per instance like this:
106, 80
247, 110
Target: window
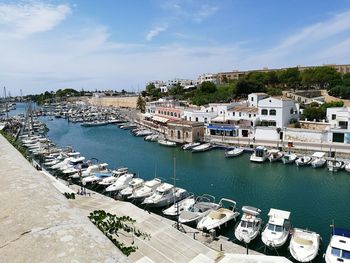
190, 118
205, 119
233, 113
291, 111
171, 133
264, 112
186, 134
334, 116
178, 134
335, 252
240, 114
196, 118
250, 115
346, 254
252, 98
273, 112
171, 114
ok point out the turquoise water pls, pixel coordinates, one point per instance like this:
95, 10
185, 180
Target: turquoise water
315, 197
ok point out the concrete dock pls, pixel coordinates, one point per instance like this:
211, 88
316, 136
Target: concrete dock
38, 224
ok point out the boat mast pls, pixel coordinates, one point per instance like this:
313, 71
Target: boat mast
7, 113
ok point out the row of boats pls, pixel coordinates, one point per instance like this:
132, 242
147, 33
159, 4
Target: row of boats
202, 211
316, 160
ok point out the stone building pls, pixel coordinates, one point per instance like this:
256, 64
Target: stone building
184, 131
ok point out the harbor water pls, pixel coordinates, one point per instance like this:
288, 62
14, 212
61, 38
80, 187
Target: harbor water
315, 197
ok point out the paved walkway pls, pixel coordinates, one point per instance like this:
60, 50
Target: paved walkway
38, 224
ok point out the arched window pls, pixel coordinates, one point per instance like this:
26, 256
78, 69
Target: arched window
171, 133
273, 112
264, 112
178, 134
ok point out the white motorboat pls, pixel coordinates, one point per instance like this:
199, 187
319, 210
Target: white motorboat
289, 158
97, 177
304, 245
217, 218
202, 147
335, 165
260, 154
275, 155
134, 184
178, 207
61, 164
276, 231
165, 195
203, 206
303, 160
121, 183
347, 167
143, 133
189, 146
318, 160
120, 171
95, 168
338, 249
145, 191
250, 225
236, 151
166, 143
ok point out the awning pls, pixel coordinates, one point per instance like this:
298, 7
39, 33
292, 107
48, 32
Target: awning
147, 115
221, 127
160, 119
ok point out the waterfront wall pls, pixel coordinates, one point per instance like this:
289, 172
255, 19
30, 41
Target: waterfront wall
120, 102
305, 135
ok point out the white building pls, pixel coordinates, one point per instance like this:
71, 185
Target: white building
207, 77
182, 82
338, 118
159, 84
277, 112
202, 114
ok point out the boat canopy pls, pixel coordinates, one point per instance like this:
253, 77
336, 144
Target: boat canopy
318, 154
277, 216
251, 210
340, 242
160, 119
341, 232
274, 151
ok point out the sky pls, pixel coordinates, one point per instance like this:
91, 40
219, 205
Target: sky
123, 44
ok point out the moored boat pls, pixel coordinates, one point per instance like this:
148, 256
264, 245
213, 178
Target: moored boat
276, 231
236, 151
275, 155
318, 160
217, 218
250, 225
260, 154
289, 158
338, 249
166, 143
202, 148
189, 146
303, 160
304, 245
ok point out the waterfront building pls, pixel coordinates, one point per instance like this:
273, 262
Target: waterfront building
277, 112
184, 131
338, 118
199, 114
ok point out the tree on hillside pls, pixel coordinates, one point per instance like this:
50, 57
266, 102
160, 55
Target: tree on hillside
321, 77
152, 91
290, 77
245, 87
176, 90
207, 87
258, 77
141, 104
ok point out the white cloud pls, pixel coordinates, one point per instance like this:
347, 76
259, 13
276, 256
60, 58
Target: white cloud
24, 19
204, 12
155, 32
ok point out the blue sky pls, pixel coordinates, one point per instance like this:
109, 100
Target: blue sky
108, 44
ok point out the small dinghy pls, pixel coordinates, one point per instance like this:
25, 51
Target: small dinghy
289, 158
303, 160
335, 165
179, 207
223, 215
275, 155
234, 152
